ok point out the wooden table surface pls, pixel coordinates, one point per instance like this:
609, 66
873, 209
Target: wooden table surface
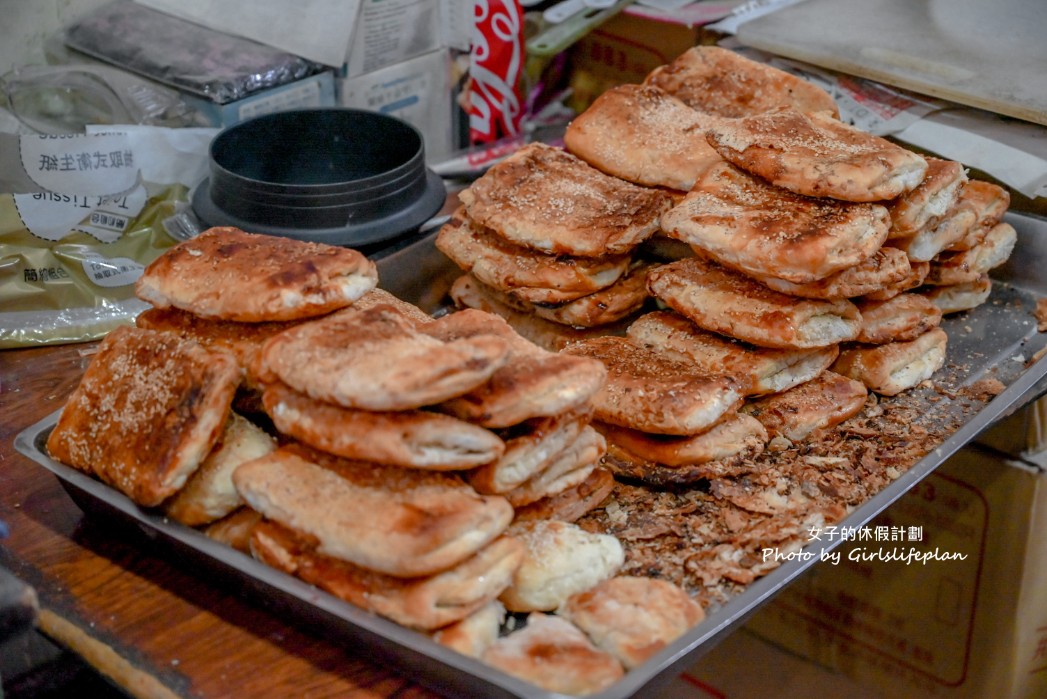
154, 627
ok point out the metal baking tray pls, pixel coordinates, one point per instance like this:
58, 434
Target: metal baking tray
998, 339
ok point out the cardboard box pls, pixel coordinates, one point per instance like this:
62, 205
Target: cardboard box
315, 91
969, 621
417, 91
1022, 435
745, 666
622, 50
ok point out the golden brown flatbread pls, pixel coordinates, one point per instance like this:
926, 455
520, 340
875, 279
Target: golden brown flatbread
619, 301
899, 318
628, 466
546, 199
967, 266
528, 275
532, 382
615, 303
408, 438
820, 403
735, 434
816, 154
750, 225
885, 267
643, 134
475, 633
570, 468
959, 297
721, 301
553, 654
633, 617
227, 274
243, 340
376, 359
917, 273
762, 369
529, 449
719, 81
209, 493
146, 413
430, 521
467, 292
989, 202
927, 243
560, 559
423, 603
924, 205
892, 368
650, 392
571, 504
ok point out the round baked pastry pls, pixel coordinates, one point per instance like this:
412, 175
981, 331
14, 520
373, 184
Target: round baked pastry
227, 274
632, 618
816, 154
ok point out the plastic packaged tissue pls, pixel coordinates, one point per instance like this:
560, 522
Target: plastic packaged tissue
80, 218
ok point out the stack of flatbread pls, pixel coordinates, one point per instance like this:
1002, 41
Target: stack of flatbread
424, 469
230, 290
803, 245
579, 625
550, 243
538, 404
934, 209
418, 547
812, 233
378, 402
798, 258
959, 248
666, 420
154, 414
591, 640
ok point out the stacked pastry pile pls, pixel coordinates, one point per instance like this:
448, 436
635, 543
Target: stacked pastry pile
954, 251
667, 410
426, 470
153, 414
809, 245
828, 197
435, 554
496, 535
550, 243
805, 251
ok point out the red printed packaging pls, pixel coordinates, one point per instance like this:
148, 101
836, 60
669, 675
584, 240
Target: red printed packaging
495, 102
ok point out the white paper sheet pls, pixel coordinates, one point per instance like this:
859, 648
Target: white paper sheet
1012, 151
